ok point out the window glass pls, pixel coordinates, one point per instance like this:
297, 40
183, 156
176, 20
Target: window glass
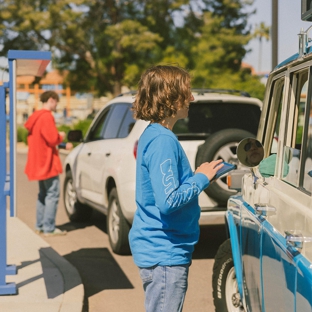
296, 117
307, 177
97, 129
276, 101
127, 124
114, 121
206, 118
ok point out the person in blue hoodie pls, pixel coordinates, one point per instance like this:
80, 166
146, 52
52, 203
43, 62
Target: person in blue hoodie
166, 223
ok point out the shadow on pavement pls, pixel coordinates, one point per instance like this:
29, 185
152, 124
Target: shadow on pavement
98, 270
97, 219
211, 236
50, 262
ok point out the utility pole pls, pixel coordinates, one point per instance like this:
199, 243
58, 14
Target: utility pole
274, 34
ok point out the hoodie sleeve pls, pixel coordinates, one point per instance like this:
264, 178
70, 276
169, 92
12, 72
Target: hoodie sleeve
173, 183
49, 131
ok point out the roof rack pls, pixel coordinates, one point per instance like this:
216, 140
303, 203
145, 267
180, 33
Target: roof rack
231, 91
131, 92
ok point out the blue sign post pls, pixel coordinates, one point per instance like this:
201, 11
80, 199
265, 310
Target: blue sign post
21, 63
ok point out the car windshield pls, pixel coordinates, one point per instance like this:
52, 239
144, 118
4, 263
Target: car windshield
207, 118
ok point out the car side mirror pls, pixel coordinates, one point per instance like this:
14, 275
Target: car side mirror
74, 136
250, 152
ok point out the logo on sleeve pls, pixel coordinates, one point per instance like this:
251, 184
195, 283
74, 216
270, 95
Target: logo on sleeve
175, 198
167, 176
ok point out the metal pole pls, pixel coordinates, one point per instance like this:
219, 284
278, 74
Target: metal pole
5, 288
274, 33
13, 137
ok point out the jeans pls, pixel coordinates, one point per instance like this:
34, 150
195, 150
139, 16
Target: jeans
165, 287
48, 198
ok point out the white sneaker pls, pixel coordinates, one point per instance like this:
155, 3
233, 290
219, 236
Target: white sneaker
56, 232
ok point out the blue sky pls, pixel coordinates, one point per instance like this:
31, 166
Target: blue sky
289, 25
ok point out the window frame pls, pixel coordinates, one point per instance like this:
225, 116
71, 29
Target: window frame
291, 113
95, 124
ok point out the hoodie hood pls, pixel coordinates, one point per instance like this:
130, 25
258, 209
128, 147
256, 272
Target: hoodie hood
29, 124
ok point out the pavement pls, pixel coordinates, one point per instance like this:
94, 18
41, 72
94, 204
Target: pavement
44, 280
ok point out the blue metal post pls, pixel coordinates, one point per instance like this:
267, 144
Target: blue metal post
5, 288
20, 63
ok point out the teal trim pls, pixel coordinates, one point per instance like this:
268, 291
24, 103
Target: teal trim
292, 58
235, 253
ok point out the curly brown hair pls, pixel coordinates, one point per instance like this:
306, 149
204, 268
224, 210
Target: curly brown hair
163, 89
44, 97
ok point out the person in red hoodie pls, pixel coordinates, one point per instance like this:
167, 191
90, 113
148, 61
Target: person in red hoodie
43, 162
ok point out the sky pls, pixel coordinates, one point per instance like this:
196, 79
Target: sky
289, 25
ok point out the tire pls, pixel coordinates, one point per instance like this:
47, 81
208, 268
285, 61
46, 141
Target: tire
117, 226
225, 290
75, 210
222, 144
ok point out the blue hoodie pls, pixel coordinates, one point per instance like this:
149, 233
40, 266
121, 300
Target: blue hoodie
165, 226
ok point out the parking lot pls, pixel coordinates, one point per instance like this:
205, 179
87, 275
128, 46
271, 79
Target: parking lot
112, 282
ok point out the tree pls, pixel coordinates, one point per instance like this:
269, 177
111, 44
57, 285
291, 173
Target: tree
232, 21
106, 44
218, 47
98, 41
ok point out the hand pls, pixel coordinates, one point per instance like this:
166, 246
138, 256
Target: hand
62, 135
210, 168
69, 146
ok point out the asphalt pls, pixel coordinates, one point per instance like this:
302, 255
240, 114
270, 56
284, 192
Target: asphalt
43, 280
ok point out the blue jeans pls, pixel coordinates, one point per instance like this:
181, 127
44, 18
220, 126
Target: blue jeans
165, 287
48, 198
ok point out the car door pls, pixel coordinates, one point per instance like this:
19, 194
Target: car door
85, 171
96, 151
284, 270
113, 151
251, 226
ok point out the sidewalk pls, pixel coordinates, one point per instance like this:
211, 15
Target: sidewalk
45, 281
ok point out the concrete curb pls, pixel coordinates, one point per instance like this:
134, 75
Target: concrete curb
45, 281
73, 291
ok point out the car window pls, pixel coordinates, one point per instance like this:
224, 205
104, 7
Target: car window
207, 118
292, 149
97, 129
127, 124
307, 163
307, 177
275, 114
115, 119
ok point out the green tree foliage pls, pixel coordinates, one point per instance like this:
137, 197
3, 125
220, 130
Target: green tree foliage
106, 44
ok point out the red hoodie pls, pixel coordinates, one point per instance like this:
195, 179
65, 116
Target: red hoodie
43, 161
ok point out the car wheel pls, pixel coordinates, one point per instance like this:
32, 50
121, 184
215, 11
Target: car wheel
226, 296
75, 210
117, 226
221, 145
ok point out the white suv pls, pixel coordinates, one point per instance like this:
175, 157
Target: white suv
100, 172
